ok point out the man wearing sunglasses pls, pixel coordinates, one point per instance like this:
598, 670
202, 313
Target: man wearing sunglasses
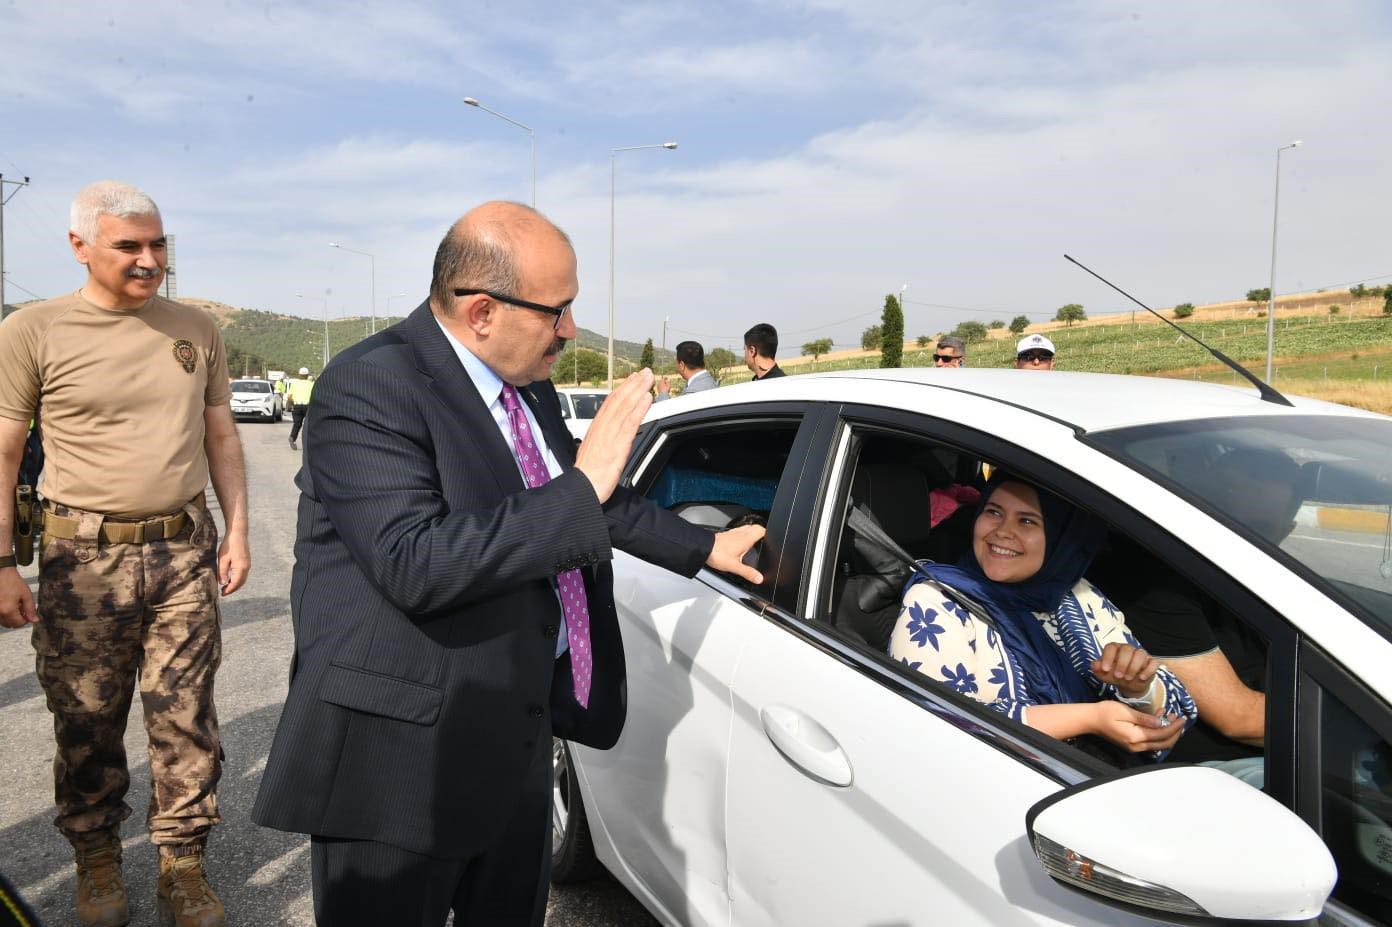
951, 352
1034, 352
452, 591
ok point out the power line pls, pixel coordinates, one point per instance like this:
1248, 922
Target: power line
18, 287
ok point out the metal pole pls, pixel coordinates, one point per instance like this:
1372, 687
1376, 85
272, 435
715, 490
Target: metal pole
1271, 289
530, 131
373, 261
3, 200
612, 154
670, 146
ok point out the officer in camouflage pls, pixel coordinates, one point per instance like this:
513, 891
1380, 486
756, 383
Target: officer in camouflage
136, 420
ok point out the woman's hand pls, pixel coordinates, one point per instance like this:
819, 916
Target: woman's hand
1135, 730
1128, 668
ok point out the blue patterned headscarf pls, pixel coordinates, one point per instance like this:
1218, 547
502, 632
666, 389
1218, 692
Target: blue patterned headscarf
1072, 538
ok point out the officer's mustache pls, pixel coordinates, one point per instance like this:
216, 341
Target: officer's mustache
557, 346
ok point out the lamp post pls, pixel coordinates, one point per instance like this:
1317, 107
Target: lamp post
665, 320
530, 131
325, 301
389, 299
670, 146
1271, 290
372, 258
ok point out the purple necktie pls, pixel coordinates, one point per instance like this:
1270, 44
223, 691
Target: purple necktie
570, 583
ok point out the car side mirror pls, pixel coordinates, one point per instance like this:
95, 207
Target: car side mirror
1187, 840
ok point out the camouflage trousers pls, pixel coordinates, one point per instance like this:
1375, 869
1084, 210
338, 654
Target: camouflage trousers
110, 614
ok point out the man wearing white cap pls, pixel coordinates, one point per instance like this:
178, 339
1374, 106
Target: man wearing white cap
1034, 352
300, 389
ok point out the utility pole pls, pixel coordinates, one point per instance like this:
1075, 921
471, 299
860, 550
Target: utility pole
3, 200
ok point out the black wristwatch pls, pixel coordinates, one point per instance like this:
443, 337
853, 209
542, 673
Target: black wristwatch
8, 560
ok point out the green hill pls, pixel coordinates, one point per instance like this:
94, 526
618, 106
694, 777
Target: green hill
258, 340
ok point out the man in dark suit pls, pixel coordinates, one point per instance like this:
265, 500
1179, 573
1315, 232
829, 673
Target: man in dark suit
760, 346
452, 592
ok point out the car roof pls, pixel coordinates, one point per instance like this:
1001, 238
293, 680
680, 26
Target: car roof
1085, 401
582, 390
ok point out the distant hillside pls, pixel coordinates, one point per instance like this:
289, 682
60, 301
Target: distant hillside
258, 340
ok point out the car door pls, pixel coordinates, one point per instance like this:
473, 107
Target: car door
657, 799
859, 794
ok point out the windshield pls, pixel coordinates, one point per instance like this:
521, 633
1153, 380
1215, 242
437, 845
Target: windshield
587, 404
250, 386
1316, 487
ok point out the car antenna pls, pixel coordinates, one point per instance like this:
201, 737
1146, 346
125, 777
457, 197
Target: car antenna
1268, 393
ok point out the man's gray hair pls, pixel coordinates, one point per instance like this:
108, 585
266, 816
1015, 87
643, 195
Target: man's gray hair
951, 341
107, 198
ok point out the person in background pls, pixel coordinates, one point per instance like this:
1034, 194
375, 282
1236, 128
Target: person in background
760, 347
1034, 352
301, 388
131, 568
691, 365
951, 352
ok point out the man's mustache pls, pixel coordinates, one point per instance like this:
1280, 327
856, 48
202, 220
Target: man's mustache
142, 273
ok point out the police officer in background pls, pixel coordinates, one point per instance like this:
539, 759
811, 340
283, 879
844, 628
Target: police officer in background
136, 419
300, 389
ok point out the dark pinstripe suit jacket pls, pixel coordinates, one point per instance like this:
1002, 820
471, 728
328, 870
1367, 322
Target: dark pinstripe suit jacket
424, 611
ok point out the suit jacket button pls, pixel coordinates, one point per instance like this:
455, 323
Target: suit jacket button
551, 630
534, 711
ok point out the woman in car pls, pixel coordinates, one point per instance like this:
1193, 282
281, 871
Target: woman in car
1049, 651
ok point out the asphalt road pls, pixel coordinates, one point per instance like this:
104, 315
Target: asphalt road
262, 875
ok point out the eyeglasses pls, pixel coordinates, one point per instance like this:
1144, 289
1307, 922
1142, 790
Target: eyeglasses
558, 311
946, 358
1035, 357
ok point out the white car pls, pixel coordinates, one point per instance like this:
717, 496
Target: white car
778, 768
258, 399
578, 407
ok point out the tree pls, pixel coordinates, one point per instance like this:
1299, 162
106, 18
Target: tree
817, 348
996, 324
892, 333
872, 338
1358, 291
1019, 324
1069, 314
1183, 310
1259, 296
970, 331
1387, 301
1334, 310
646, 358
924, 341
718, 359
582, 365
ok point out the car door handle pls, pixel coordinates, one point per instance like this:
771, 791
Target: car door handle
807, 745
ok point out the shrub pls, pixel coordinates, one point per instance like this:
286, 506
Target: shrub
1333, 310
1019, 324
1183, 310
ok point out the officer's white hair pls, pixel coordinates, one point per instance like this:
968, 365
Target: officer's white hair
108, 198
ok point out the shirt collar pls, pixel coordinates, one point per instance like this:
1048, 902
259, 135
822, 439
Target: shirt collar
488, 383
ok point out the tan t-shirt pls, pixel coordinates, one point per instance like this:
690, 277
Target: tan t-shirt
123, 393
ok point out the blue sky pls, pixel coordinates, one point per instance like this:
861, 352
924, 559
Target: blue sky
830, 151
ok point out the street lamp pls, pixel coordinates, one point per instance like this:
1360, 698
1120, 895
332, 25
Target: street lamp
530, 131
325, 301
670, 146
372, 258
665, 320
1271, 291
389, 299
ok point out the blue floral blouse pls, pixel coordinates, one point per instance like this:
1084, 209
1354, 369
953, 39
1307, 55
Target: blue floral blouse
944, 641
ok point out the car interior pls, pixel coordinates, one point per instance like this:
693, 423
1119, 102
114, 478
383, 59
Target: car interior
716, 480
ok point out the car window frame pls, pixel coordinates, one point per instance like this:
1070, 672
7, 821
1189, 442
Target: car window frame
1320, 674
1044, 753
780, 544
